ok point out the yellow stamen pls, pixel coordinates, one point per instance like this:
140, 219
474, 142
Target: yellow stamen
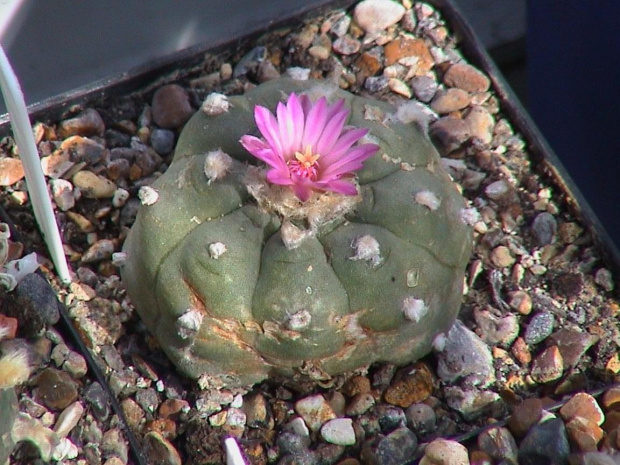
307, 159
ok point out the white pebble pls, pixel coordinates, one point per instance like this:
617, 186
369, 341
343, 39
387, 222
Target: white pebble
297, 73
339, 431
62, 191
189, 323
428, 199
120, 197
148, 195
217, 249
217, 165
377, 15
215, 104
367, 248
414, 309
119, 258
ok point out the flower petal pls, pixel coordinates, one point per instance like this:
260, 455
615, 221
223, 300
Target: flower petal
268, 126
333, 128
315, 122
261, 150
340, 186
348, 137
280, 177
351, 161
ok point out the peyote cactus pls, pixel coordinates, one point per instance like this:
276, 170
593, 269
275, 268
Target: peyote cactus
8, 413
239, 280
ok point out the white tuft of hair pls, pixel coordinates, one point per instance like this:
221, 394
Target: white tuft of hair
217, 165
14, 368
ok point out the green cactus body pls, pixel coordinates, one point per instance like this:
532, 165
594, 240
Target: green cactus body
8, 413
377, 285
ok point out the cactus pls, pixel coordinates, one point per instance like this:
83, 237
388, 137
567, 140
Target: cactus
8, 413
236, 290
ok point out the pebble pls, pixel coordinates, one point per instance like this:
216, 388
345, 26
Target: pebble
376, 84
98, 400
11, 171
496, 330
450, 133
415, 386
473, 403
356, 385
584, 434
113, 444
68, 419
480, 123
445, 452
267, 72
544, 228
162, 141
360, 404
55, 389
93, 186
525, 415
315, 411
465, 356
62, 192
407, 47
319, 52
424, 88
521, 302
521, 351
539, 328
545, 443
377, 15
399, 87
499, 190
86, 123
547, 366
501, 257
339, 431
147, 399
100, 250
466, 77
498, 443
346, 45
159, 450
370, 62
421, 418
449, 100
393, 449
389, 417
256, 410
582, 405
604, 278
38, 305
82, 149
171, 107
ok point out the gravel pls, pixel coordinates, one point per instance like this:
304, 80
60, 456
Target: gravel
538, 322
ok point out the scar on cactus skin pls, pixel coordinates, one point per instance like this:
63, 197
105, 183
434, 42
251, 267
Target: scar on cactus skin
308, 148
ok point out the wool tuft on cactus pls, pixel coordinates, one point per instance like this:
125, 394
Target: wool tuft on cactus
311, 242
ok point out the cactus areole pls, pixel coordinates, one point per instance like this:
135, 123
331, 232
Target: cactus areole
299, 231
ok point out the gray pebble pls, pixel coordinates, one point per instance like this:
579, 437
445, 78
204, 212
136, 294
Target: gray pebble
393, 449
546, 442
98, 400
291, 443
540, 328
36, 305
424, 88
499, 443
390, 417
544, 228
147, 399
421, 418
162, 141
250, 61
376, 83
464, 355
339, 431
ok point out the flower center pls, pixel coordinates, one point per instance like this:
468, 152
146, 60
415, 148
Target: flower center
305, 164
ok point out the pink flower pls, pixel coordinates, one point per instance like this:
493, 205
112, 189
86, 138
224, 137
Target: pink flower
307, 146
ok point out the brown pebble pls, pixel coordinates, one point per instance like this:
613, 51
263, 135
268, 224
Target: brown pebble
480, 123
501, 257
611, 398
319, 52
55, 389
356, 385
346, 45
582, 405
370, 62
466, 77
11, 171
171, 107
521, 302
521, 351
450, 133
159, 450
171, 408
525, 415
547, 366
9, 326
133, 413
404, 47
86, 123
164, 426
411, 388
449, 100
584, 434
93, 186
572, 344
